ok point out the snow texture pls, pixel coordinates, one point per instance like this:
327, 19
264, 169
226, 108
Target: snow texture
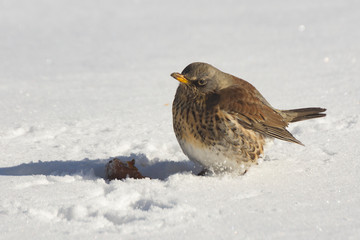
82, 82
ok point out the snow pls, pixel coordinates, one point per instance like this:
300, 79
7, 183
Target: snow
82, 82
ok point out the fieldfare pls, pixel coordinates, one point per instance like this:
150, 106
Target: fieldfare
221, 121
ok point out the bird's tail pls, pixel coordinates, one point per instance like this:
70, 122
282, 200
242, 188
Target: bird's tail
295, 115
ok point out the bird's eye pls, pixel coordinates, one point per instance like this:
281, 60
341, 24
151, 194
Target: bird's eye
202, 82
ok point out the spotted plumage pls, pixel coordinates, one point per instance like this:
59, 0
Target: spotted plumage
221, 122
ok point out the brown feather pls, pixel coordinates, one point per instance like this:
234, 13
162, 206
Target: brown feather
295, 115
253, 113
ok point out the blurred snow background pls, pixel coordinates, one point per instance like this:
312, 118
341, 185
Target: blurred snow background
84, 81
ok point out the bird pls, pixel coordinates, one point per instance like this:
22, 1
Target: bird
222, 122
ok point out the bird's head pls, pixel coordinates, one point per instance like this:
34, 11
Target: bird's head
202, 78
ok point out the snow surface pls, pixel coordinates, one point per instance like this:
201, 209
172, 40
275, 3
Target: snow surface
82, 82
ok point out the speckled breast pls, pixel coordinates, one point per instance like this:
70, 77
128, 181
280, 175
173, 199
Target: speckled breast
212, 137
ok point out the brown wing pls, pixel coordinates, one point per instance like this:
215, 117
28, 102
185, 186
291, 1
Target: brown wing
253, 112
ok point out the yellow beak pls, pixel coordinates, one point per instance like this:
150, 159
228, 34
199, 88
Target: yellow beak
181, 78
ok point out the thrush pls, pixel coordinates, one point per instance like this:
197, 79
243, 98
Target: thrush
222, 122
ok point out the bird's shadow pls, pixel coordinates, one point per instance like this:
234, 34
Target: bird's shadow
96, 168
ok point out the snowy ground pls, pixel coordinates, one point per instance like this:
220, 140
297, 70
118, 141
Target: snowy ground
84, 81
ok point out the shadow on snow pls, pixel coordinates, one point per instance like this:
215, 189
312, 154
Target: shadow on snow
96, 168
